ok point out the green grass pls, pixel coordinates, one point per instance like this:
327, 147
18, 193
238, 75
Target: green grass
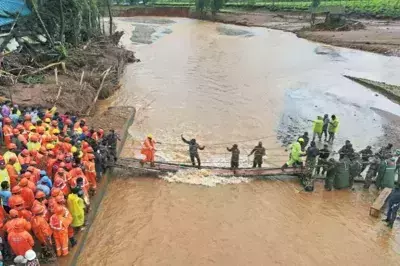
390, 8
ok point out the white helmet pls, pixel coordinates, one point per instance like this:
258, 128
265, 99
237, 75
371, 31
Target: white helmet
30, 255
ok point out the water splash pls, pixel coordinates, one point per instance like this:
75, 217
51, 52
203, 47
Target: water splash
202, 177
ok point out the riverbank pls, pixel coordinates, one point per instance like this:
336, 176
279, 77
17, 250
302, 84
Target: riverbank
89, 72
379, 36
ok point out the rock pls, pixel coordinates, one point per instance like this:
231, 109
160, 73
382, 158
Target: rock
376, 94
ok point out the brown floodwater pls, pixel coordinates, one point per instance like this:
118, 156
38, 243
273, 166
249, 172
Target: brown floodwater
224, 84
151, 222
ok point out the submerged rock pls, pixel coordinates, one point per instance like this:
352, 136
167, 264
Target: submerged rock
230, 31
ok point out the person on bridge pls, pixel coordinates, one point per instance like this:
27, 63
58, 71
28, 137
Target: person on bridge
295, 155
235, 156
259, 152
325, 127
193, 150
148, 150
19, 239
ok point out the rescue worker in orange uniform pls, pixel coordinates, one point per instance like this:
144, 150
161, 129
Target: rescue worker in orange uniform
22, 212
52, 159
40, 199
24, 157
90, 172
62, 185
31, 185
148, 150
64, 175
59, 224
40, 226
35, 173
12, 172
16, 194
27, 122
26, 193
19, 239
7, 131
98, 135
14, 217
24, 133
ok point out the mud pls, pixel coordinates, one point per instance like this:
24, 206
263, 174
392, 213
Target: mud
379, 36
92, 59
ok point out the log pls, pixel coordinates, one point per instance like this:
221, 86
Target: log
44, 68
56, 75
379, 202
82, 75
99, 90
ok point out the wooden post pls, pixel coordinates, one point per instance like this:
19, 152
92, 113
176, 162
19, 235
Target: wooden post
379, 202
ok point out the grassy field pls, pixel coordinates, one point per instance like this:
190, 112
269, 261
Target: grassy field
390, 8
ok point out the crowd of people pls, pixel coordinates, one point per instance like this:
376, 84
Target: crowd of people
48, 171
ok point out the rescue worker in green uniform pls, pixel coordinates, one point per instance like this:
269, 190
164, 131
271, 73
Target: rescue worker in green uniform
235, 156
330, 173
346, 151
386, 152
311, 160
374, 165
295, 155
322, 160
306, 139
318, 124
354, 169
333, 128
259, 152
365, 155
386, 173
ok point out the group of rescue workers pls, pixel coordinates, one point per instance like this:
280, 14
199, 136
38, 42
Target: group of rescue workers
48, 172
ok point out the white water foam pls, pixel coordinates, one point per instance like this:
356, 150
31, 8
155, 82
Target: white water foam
202, 177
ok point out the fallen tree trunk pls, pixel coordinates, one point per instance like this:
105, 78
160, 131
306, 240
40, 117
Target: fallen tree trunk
98, 92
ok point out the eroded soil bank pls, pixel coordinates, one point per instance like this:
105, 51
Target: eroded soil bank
379, 36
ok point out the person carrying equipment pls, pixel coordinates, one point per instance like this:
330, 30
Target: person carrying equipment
259, 152
193, 150
295, 155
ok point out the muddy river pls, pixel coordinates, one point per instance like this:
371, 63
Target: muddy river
224, 84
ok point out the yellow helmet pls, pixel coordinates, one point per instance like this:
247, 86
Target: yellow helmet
80, 154
79, 130
47, 120
49, 146
56, 131
301, 140
74, 149
32, 128
150, 136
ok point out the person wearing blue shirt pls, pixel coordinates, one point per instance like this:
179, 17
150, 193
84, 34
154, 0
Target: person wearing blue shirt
44, 179
5, 194
44, 188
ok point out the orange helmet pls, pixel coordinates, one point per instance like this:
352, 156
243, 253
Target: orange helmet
60, 170
23, 182
85, 128
37, 209
12, 146
51, 153
55, 192
19, 225
27, 117
19, 202
101, 131
54, 138
25, 152
68, 122
27, 175
67, 139
34, 138
40, 195
34, 152
40, 130
15, 131
7, 120
20, 127
60, 199
16, 189
62, 165
85, 145
14, 213
48, 115
89, 150
60, 157
90, 156
43, 149
31, 169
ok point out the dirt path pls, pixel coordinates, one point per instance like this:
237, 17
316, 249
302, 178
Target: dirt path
379, 36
